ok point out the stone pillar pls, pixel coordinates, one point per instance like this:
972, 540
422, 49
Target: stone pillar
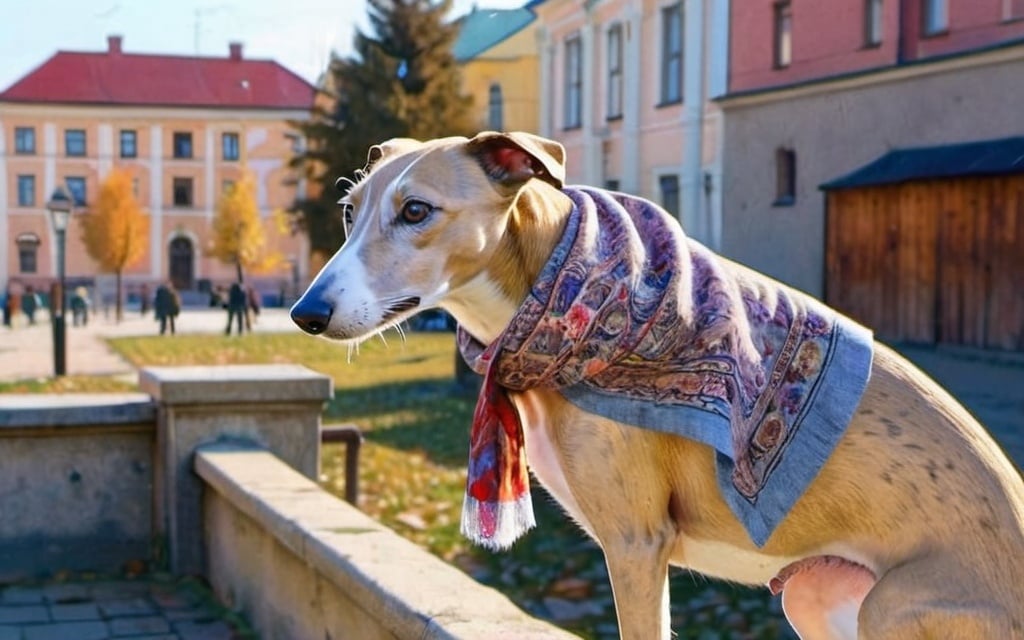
277, 407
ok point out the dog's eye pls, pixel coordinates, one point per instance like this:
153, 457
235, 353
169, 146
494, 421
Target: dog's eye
415, 211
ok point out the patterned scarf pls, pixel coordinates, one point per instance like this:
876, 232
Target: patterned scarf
631, 320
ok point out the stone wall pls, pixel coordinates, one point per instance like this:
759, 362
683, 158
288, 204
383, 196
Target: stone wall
76, 483
301, 564
213, 473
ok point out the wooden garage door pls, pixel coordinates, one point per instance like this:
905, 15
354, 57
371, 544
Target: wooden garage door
931, 261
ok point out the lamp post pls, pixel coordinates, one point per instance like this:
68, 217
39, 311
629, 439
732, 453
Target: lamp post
59, 207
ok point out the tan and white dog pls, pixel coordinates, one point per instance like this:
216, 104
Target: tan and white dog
914, 527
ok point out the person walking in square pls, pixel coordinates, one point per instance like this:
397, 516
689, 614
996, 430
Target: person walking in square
80, 307
166, 306
30, 303
237, 303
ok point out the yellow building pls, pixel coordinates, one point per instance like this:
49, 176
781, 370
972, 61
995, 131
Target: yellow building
184, 127
497, 53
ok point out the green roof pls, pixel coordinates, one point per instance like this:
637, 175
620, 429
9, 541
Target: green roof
481, 29
1004, 156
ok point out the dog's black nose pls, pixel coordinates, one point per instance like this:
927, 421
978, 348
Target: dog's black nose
312, 316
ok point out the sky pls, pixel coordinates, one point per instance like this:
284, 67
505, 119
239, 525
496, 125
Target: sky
299, 34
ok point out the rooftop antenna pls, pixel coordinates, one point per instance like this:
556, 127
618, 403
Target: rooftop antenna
199, 13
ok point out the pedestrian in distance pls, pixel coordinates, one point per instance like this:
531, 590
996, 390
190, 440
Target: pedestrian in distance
237, 303
252, 309
30, 303
166, 306
144, 299
5, 300
80, 307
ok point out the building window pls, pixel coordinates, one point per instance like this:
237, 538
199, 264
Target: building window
129, 143
182, 145
76, 185
668, 185
226, 186
495, 108
614, 72
25, 140
785, 177
611, 184
1013, 9
229, 146
934, 17
573, 83
872, 23
28, 250
26, 191
74, 143
672, 54
182, 192
783, 34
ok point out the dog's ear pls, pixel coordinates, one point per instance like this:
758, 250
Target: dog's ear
378, 152
513, 158
392, 147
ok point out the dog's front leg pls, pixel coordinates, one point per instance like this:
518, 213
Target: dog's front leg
626, 505
639, 575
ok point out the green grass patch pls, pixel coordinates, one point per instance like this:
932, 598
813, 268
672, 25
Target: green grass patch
413, 471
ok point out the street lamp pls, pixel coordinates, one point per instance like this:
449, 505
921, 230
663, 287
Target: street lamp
59, 207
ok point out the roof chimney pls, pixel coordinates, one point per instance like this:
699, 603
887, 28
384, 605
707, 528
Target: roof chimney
113, 44
235, 49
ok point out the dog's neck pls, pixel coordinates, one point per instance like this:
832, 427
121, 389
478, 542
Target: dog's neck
485, 305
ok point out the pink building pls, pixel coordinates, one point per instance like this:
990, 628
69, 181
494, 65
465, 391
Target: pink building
183, 127
626, 86
818, 89
785, 42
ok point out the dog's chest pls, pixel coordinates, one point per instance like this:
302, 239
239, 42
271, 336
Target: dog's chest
542, 453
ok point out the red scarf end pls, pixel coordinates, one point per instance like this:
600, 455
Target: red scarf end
496, 525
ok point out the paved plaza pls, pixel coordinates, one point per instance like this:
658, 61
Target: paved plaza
27, 351
155, 608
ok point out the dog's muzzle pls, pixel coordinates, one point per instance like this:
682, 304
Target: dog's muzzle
311, 314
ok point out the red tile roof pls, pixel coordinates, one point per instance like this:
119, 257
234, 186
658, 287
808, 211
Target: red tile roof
117, 78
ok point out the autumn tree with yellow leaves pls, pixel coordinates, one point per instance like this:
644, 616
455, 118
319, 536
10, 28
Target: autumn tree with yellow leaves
115, 232
238, 234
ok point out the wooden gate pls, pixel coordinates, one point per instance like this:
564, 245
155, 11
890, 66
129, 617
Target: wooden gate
931, 261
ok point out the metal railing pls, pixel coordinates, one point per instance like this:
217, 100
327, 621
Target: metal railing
352, 438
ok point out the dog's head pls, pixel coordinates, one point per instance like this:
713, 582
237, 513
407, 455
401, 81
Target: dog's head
424, 222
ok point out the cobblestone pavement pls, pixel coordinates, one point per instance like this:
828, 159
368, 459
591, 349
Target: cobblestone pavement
154, 608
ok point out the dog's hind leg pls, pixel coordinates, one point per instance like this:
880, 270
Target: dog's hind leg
922, 600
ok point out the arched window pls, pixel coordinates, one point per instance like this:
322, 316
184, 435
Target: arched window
495, 109
182, 259
28, 250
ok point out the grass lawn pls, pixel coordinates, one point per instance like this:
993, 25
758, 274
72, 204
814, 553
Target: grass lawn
412, 477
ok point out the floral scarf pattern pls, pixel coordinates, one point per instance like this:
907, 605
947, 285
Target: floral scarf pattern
633, 321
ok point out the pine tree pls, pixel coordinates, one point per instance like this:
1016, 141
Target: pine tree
402, 81
115, 232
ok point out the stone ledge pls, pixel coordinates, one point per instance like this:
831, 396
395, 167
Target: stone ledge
233, 384
19, 411
406, 589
